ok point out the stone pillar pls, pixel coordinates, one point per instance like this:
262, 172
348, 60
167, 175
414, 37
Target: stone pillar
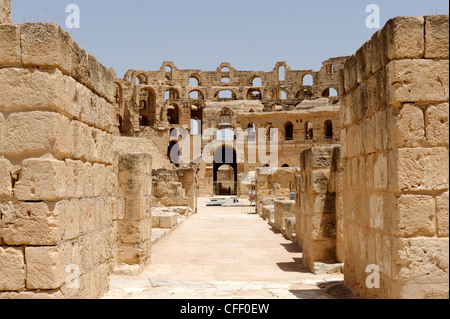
316, 214
135, 223
5, 12
395, 139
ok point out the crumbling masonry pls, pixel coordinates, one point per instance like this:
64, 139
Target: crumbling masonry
86, 180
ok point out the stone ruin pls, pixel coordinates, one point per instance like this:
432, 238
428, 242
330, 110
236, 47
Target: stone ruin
87, 183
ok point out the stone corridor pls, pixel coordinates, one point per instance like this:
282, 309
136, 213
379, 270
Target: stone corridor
225, 253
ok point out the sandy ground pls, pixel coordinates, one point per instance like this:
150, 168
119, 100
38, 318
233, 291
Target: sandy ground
225, 253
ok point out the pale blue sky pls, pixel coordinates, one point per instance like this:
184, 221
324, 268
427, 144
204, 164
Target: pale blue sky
200, 34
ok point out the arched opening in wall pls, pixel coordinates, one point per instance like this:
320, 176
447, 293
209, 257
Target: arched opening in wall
173, 153
308, 80
254, 94
225, 69
193, 81
168, 73
225, 95
196, 95
147, 107
173, 115
225, 171
171, 94
281, 73
289, 131
256, 82
285, 166
329, 129
309, 131
283, 95
251, 132
142, 79
225, 80
330, 92
196, 120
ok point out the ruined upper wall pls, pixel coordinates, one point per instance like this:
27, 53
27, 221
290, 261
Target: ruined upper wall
272, 83
5, 11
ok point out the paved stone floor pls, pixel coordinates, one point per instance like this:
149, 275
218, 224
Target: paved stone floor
224, 253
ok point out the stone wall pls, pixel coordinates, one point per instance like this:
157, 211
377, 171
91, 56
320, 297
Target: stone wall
395, 118
58, 185
5, 11
315, 210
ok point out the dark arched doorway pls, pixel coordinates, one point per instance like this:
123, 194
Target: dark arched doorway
225, 164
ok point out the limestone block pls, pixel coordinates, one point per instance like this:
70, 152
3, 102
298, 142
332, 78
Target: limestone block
437, 37
83, 143
377, 211
5, 11
363, 62
164, 219
320, 180
421, 169
384, 128
102, 79
72, 219
350, 74
324, 204
437, 124
414, 216
33, 224
99, 171
137, 208
75, 177
354, 140
31, 89
38, 132
321, 228
409, 127
442, 214
9, 45
368, 135
421, 260
46, 44
42, 179
46, 266
403, 38
12, 268
5, 178
88, 215
418, 81
381, 172
80, 65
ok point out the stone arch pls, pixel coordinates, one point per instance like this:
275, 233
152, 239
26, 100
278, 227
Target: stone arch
289, 131
147, 107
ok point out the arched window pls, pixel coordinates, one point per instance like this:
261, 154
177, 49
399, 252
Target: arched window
308, 80
147, 107
329, 130
225, 80
330, 92
254, 94
173, 114
283, 95
171, 94
168, 71
285, 166
193, 81
309, 131
289, 131
141, 79
257, 82
226, 94
281, 73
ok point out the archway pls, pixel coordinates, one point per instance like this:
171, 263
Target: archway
225, 164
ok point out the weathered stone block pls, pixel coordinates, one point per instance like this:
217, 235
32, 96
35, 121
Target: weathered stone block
5, 11
437, 37
437, 124
421, 169
414, 216
409, 127
9, 45
33, 224
46, 266
38, 132
42, 179
12, 268
46, 44
421, 260
75, 177
350, 74
368, 135
418, 81
5, 178
403, 38
442, 214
